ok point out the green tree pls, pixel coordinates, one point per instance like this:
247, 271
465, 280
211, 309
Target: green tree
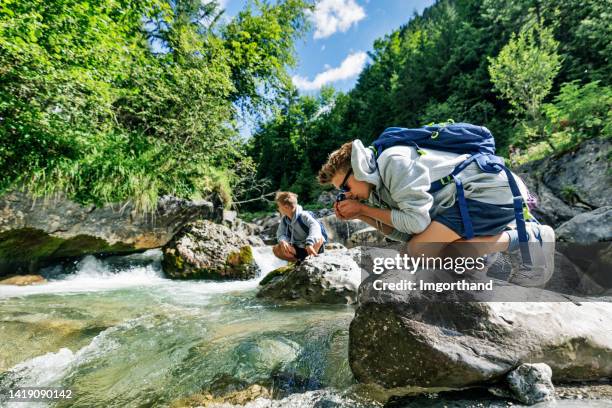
524, 71
127, 100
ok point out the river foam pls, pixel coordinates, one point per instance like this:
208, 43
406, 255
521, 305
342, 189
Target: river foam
92, 274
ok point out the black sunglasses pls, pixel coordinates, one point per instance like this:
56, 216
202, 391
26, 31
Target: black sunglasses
343, 186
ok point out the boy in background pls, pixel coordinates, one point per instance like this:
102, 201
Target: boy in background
299, 234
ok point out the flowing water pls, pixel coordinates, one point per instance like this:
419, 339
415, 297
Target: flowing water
118, 333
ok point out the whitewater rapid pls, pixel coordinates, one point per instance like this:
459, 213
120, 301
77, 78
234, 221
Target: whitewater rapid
92, 274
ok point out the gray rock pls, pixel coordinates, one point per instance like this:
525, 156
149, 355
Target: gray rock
255, 241
583, 175
340, 231
331, 277
268, 226
571, 183
334, 246
229, 217
34, 232
531, 383
420, 339
205, 250
587, 228
551, 210
366, 236
328, 197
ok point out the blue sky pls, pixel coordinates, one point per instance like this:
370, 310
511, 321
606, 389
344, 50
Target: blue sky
333, 52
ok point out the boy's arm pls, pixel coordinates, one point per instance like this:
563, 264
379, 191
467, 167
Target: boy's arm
407, 181
314, 229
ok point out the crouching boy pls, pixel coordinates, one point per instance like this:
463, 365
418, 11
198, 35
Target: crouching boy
299, 234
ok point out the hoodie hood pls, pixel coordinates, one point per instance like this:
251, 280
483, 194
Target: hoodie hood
363, 163
298, 211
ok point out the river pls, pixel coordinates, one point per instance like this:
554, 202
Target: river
117, 333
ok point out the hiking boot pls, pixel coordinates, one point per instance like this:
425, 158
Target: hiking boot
541, 247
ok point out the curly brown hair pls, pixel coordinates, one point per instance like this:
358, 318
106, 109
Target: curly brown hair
337, 161
286, 198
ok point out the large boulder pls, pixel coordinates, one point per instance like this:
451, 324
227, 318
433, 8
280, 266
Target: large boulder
587, 228
205, 250
34, 232
331, 277
404, 338
570, 183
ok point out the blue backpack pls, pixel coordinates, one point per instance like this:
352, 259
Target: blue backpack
460, 138
305, 226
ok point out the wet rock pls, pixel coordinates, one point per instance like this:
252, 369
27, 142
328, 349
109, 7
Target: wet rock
316, 399
34, 232
23, 280
205, 250
412, 338
331, 277
588, 227
234, 398
531, 383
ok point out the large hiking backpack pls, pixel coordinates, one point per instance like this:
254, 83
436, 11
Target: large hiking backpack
305, 226
460, 138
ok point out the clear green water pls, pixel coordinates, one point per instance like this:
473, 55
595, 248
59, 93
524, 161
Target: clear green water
118, 334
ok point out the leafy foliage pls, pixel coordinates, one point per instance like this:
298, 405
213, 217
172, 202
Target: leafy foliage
113, 100
524, 70
450, 63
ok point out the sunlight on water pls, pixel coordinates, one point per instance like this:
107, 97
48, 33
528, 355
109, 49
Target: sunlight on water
118, 333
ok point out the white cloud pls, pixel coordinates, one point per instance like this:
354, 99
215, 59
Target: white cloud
350, 67
331, 16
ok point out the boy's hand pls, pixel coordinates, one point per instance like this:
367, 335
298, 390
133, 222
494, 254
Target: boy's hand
287, 248
314, 249
310, 250
348, 209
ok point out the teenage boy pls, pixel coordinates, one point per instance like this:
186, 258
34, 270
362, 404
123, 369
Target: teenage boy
299, 233
396, 185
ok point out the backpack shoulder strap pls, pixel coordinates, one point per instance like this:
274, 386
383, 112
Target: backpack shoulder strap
303, 224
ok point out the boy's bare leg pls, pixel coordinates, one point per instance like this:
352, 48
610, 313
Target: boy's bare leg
281, 253
437, 237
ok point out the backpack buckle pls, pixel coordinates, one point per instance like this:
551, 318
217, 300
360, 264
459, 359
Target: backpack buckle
445, 180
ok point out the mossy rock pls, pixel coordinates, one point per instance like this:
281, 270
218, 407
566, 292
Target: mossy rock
278, 272
205, 250
25, 250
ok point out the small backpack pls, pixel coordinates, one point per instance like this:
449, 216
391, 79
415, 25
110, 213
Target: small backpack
460, 138
305, 226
